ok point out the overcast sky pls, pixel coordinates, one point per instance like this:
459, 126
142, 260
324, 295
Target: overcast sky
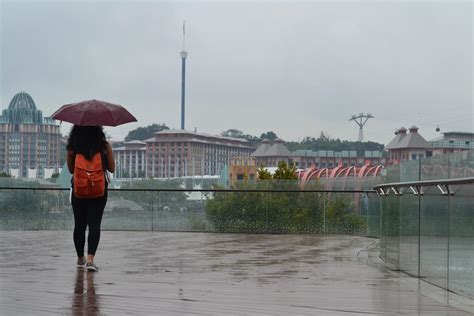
297, 68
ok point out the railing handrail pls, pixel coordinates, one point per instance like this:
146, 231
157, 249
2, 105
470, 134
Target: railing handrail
444, 185
426, 183
199, 190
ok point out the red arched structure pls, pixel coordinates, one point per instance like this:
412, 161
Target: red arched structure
340, 172
359, 175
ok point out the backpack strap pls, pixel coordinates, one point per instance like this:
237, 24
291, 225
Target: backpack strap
103, 157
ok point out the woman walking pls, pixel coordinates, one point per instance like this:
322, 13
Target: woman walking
89, 157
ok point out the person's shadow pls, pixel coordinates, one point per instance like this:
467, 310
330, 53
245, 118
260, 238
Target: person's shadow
84, 302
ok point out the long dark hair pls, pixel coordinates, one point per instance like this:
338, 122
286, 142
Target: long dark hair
86, 140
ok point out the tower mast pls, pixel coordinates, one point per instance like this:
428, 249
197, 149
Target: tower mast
183, 55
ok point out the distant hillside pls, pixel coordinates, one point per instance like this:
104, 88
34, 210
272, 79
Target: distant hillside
324, 142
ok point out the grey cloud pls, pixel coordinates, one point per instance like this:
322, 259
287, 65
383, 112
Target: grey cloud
295, 68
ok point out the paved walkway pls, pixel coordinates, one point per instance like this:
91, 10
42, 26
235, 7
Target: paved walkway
146, 273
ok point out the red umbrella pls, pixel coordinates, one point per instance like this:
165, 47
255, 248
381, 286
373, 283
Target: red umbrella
94, 113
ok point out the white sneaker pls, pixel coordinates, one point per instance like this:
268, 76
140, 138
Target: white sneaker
90, 266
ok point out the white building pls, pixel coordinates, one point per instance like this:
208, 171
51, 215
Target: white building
130, 160
452, 142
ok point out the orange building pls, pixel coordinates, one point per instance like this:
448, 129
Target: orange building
242, 168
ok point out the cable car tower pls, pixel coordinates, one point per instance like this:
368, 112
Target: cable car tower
360, 120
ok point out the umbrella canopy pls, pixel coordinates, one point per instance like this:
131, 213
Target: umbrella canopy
94, 113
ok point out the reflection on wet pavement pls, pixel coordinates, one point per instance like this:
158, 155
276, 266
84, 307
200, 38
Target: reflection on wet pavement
143, 273
84, 301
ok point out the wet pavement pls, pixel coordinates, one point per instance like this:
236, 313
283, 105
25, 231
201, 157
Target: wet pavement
157, 273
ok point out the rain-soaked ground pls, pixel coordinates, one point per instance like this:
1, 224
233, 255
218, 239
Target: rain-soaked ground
144, 273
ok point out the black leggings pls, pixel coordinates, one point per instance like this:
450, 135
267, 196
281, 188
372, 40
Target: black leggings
87, 212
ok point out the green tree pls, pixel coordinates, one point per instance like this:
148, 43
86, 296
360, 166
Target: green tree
264, 174
25, 209
285, 172
117, 144
340, 216
143, 133
269, 135
233, 133
288, 210
277, 212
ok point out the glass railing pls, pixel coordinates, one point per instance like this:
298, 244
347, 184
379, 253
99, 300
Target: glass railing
155, 205
427, 220
425, 225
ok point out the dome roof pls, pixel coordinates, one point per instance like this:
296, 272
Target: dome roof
22, 100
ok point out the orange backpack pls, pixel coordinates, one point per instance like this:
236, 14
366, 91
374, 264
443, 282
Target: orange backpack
89, 178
